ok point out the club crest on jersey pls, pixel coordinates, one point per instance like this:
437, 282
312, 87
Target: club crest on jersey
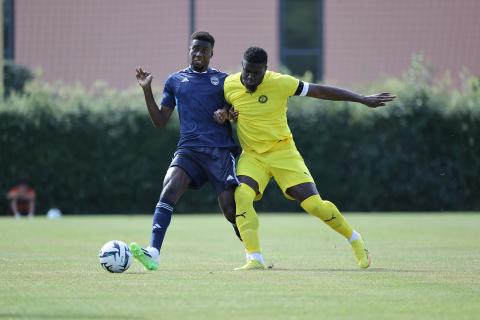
262, 99
214, 80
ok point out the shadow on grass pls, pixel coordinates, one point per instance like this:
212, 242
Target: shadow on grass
380, 270
63, 316
138, 273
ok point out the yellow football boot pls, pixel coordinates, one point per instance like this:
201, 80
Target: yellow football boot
252, 265
361, 253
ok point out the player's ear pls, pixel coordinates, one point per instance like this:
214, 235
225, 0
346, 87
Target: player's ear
211, 54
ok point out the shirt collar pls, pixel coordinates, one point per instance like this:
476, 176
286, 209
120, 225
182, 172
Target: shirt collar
190, 69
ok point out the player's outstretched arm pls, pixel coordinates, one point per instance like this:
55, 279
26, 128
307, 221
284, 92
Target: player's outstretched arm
159, 116
338, 94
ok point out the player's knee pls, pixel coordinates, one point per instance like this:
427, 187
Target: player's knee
171, 192
244, 196
245, 216
329, 214
226, 203
229, 214
322, 209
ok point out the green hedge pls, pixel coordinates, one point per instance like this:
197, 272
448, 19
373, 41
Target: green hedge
95, 151
15, 77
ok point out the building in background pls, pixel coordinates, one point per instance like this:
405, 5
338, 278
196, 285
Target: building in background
344, 41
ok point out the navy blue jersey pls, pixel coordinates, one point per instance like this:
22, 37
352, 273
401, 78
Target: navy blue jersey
196, 96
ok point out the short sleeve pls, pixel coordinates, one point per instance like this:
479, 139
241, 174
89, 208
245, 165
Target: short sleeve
168, 97
289, 84
227, 89
21, 192
12, 193
32, 194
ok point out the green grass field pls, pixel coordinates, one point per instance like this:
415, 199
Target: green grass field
424, 267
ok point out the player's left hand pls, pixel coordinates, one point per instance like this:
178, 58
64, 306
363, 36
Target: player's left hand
233, 114
378, 100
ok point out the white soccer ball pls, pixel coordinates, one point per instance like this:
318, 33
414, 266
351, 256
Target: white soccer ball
115, 256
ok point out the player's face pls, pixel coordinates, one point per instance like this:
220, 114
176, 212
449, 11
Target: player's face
200, 54
252, 74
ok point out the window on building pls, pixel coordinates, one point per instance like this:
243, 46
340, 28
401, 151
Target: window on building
8, 29
301, 42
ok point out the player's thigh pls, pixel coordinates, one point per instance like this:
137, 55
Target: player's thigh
219, 166
289, 170
190, 162
253, 166
175, 183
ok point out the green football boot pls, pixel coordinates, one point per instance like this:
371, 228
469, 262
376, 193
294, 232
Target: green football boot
252, 265
142, 256
361, 253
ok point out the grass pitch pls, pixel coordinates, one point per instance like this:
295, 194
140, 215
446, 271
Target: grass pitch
424, 267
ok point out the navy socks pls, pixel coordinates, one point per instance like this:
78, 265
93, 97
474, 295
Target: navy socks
161, 221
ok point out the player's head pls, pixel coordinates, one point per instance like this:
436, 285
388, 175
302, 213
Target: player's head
254, 66
201, 50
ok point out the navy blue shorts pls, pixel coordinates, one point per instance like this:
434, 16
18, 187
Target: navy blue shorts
203, 164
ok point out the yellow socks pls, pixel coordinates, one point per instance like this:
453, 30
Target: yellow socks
246, 218
328, 213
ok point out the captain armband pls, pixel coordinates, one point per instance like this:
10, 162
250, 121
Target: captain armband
302, 89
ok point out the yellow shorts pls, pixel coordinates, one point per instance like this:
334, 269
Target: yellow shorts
283, 162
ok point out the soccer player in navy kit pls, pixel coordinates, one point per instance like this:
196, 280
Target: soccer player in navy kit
206, 149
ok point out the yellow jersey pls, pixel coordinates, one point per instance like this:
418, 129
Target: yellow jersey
262, 115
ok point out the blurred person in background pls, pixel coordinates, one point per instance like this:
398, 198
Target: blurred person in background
22, 200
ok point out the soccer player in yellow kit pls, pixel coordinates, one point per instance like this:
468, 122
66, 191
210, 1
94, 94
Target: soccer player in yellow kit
259, 100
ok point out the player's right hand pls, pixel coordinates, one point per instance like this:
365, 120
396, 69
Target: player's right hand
378, 100
220, 115
144, 78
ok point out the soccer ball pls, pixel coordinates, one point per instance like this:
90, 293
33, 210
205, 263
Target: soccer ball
115, 256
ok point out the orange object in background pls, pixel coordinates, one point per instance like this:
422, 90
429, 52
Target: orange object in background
22, 200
